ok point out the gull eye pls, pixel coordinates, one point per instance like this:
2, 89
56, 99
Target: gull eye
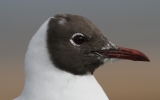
77, 39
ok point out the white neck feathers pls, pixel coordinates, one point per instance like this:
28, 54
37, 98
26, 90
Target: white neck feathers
43, 81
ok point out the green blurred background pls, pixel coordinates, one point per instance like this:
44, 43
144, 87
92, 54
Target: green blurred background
129, 23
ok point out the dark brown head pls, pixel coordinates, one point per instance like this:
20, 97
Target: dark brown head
76, 45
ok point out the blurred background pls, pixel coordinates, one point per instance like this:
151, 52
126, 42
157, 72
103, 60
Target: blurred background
128, 23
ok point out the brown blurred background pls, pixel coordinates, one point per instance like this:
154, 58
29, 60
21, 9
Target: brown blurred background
134, 24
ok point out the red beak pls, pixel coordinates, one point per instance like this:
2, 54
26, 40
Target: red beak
125, 53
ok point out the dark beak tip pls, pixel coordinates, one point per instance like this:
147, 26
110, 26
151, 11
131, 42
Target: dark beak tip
144, 59
147, 60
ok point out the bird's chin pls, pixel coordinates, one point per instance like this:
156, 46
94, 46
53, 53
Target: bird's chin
94, 65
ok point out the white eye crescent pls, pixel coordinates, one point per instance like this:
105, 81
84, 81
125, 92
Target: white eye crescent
77, 39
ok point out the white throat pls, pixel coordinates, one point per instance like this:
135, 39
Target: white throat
43, 81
